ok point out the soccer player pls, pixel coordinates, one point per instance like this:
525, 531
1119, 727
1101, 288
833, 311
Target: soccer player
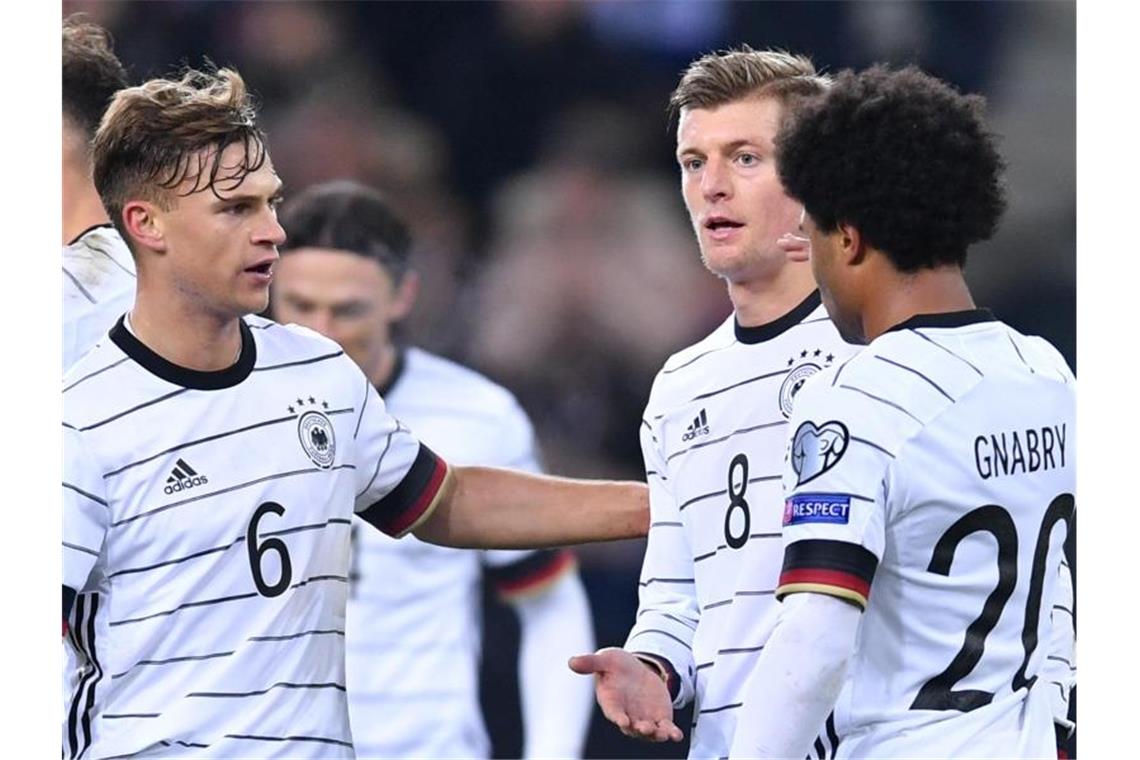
213, 462
98, 271
930, 479
716, 420
413, 626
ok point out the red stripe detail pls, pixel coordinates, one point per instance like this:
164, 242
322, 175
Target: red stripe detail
538, 576
827, 578
65, 628
409, 516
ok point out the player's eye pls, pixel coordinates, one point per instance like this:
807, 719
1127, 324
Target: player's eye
276, 201
237, 209
748, 159
691, 164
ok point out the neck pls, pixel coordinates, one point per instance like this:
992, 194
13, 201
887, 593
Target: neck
182, 335
82, 208
763, 300
929, 291
382, 368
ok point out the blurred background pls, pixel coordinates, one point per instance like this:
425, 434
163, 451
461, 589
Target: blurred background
526, 144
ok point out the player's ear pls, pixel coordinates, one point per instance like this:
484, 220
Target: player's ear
852, 248
143, 224
405, 297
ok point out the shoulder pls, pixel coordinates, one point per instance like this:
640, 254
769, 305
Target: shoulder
690, 365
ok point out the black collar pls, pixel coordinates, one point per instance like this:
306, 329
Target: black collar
92, 228
946, 319
394, 376
761, 333
188, 378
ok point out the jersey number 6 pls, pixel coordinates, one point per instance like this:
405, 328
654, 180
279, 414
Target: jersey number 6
257, 551
937, 693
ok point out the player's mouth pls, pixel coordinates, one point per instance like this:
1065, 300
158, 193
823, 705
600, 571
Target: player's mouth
262, 271
722, 228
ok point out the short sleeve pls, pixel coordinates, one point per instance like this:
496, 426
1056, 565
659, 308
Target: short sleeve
398, 479
86, 513
835, 494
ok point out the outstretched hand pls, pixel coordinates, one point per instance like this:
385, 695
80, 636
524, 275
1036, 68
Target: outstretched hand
631, 694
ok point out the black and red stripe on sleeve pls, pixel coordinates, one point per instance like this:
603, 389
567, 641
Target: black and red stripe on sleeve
412, 501
837, 568
532, 574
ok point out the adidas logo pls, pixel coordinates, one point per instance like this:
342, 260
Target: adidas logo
183, 477
700, 426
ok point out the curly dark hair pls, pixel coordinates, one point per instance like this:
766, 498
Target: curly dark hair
348, 216
901, 156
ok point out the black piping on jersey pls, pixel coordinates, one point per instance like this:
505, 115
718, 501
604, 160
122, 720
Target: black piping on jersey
956, 356
722, 491
287, 637
946, 319
239, 486
666, 580
222, 600
121, 716
114, 261
90, 375
724, 547
321, 739
397, 372
740, 650
666, 634
92, 228
183, 376
299, 362
207, 439
737, 385
85, 694
266, 690
1062, 608
83, 549
775, 328
666, 524
81, 289
172, 661
709, 710
125, 412
731, 599
912, 370
239, 539
704, 665
670, 370
724, 438
363, 406
380, 459
1019, 356
656, 474
881, 400
81, 492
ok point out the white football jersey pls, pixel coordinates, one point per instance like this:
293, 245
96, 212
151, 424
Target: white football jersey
98, 288
713, 437
415, 609
206, 523
930, 480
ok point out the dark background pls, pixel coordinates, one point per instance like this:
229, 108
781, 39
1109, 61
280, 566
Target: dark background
527, 145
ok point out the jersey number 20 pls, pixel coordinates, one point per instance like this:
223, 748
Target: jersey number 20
938, 693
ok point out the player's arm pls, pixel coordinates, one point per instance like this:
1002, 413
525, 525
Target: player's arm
638, 686
86, 515
403, 487
554, 622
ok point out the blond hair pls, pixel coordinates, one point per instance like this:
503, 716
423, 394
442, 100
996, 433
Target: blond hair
730, 75
165, 132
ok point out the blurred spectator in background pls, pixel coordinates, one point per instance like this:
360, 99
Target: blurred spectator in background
98, 271
412, 632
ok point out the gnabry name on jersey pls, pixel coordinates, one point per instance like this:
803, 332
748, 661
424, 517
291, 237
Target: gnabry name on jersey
997, 454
